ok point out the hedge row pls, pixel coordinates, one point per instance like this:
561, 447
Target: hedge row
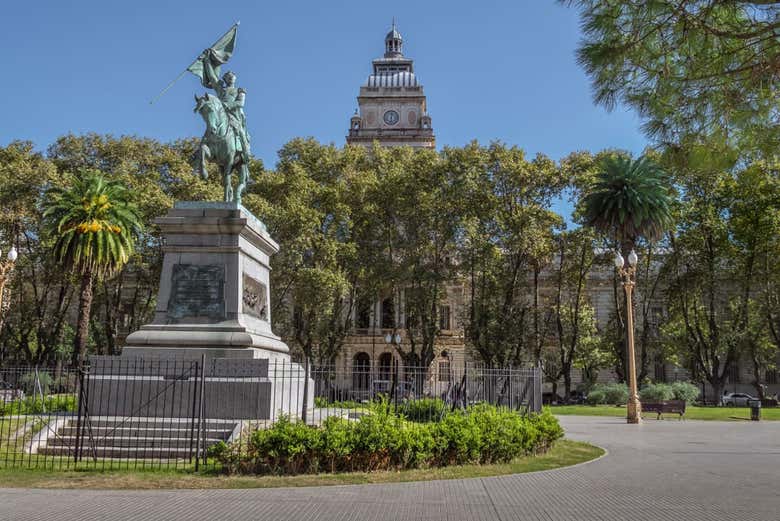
617, 394
382, 440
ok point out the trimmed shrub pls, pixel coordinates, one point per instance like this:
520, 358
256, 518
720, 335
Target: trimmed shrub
656, 393
608, 394
685, 391
423, 410
384, 440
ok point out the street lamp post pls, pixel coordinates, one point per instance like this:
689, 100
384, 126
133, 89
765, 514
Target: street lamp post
6, 267
393, 340
628, 278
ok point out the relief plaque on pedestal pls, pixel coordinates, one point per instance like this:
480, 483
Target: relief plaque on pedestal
197, 292
254, 298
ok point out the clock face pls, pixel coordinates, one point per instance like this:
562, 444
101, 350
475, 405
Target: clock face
391, 117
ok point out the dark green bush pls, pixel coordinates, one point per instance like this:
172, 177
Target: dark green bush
685, 391
611, 394
384, 440
423, 410
656, 393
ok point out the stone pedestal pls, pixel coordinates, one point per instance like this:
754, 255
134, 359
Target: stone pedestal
214, 300
214, 287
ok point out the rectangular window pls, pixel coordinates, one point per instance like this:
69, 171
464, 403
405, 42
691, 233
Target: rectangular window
388, 313
444, 317
363, 313
444, 371
771, 376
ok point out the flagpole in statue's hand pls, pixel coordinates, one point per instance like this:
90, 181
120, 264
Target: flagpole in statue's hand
225, 41
168, 87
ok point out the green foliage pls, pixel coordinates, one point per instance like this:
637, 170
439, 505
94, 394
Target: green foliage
612, 394
95, 222
685, 391
34, 405
693, 67
39, 382
383, 440
656, 393
507, 228
423, 410
629, 200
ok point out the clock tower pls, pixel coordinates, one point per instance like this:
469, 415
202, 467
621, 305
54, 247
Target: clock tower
392, 107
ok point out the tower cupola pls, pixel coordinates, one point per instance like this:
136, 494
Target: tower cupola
394, 43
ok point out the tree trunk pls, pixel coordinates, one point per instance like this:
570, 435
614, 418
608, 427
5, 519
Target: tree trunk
82, 326
717, 389
757, 380
567, 383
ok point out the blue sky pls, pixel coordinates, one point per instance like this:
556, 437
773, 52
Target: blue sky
491, 70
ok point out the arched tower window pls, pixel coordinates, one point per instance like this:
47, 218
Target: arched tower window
361, 371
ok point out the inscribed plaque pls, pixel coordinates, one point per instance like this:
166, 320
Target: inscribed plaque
197, 291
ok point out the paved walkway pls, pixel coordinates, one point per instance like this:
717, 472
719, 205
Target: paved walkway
681, 471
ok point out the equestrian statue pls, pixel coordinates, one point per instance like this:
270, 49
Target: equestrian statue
226, 141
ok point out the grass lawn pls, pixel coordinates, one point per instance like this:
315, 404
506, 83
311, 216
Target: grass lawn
691, 413
564, 453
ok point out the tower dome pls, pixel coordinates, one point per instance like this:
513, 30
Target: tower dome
393, 43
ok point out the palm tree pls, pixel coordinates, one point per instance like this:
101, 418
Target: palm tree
629, 200
95, 225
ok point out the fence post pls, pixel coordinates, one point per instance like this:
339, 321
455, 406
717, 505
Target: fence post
195, 378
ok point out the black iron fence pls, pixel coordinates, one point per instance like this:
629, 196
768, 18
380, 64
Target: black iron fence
134, 413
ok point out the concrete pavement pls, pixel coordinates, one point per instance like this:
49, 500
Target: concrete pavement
675, 470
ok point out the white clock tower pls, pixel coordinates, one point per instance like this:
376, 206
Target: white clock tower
392, 107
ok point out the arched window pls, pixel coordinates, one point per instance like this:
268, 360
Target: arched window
361, 371
386, 366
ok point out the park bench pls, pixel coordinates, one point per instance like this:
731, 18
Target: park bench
668, 406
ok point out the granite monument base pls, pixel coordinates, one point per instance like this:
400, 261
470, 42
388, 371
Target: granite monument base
213, 301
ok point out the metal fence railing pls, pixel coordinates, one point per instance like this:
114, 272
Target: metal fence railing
121, 412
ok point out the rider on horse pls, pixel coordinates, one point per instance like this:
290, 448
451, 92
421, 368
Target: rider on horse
232, 99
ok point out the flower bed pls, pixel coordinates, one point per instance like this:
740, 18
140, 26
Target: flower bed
384, 440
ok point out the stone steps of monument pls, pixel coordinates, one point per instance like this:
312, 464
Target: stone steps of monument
143, 438
168, 423
132, 442
158, 432
134, 453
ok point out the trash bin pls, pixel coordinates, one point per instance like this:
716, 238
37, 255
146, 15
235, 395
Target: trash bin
755, 409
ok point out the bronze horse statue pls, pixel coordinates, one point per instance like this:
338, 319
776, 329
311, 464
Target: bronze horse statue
221, 144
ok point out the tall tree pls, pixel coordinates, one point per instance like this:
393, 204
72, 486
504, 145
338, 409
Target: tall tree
417, 221
36, 318
687, 66
96, 225
574, 324
629, 200
715, 263
505, 243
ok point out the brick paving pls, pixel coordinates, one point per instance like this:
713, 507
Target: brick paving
675, 470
